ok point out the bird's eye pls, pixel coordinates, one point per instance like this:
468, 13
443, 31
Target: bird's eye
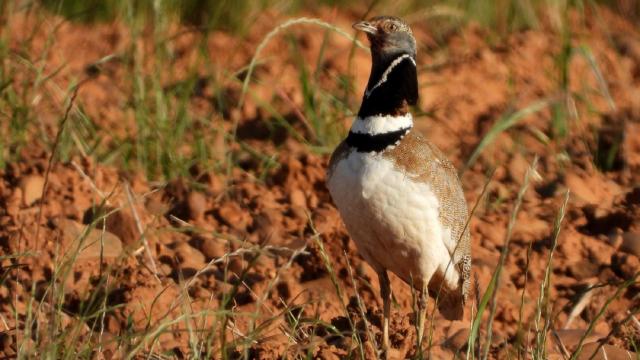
391, 27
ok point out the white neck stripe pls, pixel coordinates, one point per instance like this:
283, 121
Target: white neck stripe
386, 73
380, 124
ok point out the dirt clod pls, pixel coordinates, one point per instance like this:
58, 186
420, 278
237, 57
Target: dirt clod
31, 186
631, 243
90, 243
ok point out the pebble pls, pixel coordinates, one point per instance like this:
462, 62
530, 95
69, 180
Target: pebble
583, 269
119, 222
606, 352
297, 198
233, 215
458, 341
190, 257
197, 205
91, 241
571, 337
631, 243
517, 168
124, 226
156, 205
268, 224
31, 186
213, 248
624, 265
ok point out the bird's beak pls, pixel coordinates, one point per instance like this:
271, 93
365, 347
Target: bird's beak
366, 27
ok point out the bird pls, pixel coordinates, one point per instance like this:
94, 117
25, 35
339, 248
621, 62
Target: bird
398, 195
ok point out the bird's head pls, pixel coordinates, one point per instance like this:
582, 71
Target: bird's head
389, 37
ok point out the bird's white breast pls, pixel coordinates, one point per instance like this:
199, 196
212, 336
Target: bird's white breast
392, 217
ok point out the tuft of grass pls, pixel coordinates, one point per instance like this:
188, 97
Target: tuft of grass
543, 305
504, 123
492, 288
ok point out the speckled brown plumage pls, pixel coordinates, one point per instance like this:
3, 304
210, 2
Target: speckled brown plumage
424, 162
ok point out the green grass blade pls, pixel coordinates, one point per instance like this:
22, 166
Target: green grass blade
503, 124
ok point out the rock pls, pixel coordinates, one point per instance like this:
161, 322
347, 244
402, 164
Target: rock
583, 269
74, 233
606, 352
190, 257
592, 189
6, 341
313, 201
233, 215
31, 186
120, 222
197, 205
297, 198
530, 227
631, 243
212, 248
458, 341
517, 168
156, 205
625, 265
615, 238
571, 337
631, 145
268, 225
298, 205
299, 214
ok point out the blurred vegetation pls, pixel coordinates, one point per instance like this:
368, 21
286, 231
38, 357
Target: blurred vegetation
500, 15
162, 114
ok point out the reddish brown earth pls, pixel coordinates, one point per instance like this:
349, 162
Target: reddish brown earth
190, 225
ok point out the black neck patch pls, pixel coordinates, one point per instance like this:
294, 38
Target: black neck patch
393, 94
375, 142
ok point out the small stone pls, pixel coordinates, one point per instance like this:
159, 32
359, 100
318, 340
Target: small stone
530, 228
93, 243
6, 340
593, 189
118, 221
518, 167
606, 352
631, 243
297, 198
156, 205
313, 201
268, 225
190, 257
625, 265
233, 215
458, 341
571, 337
583, 269
615, 238
165, 269
213, 248
299, 213
31, 186
197, 204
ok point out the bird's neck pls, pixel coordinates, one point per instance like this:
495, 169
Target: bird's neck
384, 117
392, 86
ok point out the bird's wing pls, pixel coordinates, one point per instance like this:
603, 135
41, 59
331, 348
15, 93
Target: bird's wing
427, 163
